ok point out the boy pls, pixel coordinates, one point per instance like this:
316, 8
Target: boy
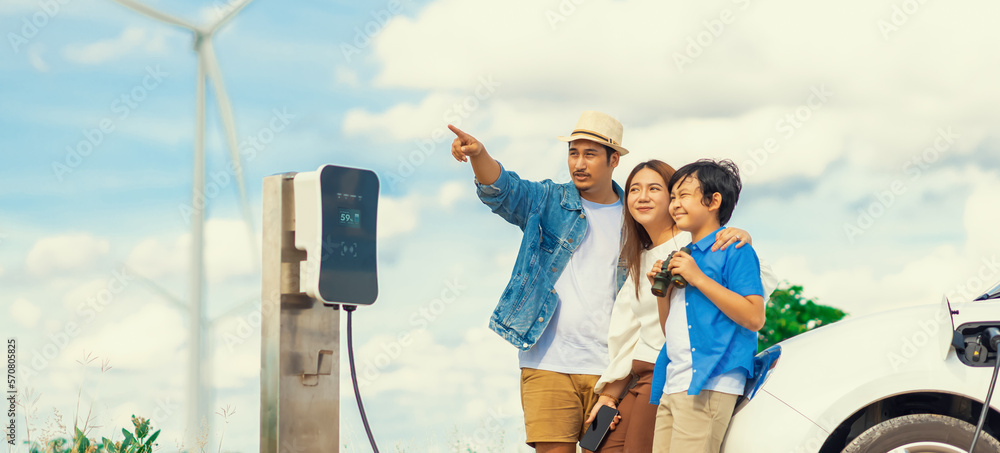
710, 325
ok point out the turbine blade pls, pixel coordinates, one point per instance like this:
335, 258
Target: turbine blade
163, 17
226, 112
229, 15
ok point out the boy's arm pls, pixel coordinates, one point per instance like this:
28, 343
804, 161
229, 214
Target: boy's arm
747, 311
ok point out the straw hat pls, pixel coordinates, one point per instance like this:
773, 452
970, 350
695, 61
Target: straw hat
598, 127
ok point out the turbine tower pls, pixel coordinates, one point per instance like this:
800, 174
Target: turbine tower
198, 394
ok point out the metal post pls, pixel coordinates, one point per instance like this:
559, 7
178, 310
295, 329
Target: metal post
300, 341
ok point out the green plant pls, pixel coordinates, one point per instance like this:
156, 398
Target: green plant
135, 442
789, 314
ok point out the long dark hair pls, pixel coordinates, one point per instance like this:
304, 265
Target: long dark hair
636, 238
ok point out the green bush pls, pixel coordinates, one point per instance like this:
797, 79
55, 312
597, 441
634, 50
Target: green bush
789, 314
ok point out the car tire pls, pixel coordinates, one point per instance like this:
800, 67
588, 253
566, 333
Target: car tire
919, 433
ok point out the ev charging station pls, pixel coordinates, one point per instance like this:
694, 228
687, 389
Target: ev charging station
319, 254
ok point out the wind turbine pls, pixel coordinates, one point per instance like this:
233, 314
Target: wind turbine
197, 406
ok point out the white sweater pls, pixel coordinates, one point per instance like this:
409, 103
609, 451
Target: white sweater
635, 332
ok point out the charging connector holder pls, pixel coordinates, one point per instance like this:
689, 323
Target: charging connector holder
971, 346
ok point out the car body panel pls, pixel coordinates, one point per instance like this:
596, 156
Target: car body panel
790, 432
830, 373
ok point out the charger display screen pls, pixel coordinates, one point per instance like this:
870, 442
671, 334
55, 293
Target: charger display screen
350, 218
348, 270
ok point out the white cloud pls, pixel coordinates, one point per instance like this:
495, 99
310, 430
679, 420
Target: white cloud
132, 39
346, 76
227, 252
137, 341
218, 10
397, 215
454, 191
235, 370
725, 103
80, 294
35, 57
154, 257
403, 121
25, 313
981, 216
65, 253
867, 277
411, 366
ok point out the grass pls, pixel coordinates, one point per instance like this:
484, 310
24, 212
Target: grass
55, 437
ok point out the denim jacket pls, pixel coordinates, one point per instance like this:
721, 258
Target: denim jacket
553, 221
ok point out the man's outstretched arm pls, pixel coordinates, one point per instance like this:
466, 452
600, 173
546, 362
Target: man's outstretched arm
467, 148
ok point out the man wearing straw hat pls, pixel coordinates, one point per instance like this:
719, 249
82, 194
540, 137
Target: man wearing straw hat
557, 306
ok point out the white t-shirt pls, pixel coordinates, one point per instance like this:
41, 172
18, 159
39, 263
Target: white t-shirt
576, 339
635, 332
679, 350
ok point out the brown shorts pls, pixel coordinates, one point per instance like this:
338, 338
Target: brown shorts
556, 404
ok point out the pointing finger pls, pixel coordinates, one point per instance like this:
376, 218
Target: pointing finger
461, 134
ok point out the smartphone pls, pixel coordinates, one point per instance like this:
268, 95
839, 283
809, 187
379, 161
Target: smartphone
599, 428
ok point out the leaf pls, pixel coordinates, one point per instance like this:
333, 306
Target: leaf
152, 438
82, 443
129, 440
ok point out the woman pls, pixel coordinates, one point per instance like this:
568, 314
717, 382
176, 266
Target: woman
635, 337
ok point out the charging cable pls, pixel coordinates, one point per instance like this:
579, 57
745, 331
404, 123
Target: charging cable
993, 339
354, 377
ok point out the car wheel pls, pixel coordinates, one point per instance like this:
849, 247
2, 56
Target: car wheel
921, 433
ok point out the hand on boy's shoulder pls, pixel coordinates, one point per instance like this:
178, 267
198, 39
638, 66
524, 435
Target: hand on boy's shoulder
731, 237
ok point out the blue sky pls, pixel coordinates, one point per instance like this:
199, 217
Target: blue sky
865, 131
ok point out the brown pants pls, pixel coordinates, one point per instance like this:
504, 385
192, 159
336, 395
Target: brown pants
692, 423
634, 434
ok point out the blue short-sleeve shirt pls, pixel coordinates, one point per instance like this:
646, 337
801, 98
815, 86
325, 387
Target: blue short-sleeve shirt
720, 344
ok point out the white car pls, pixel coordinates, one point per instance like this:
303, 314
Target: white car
906, 380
